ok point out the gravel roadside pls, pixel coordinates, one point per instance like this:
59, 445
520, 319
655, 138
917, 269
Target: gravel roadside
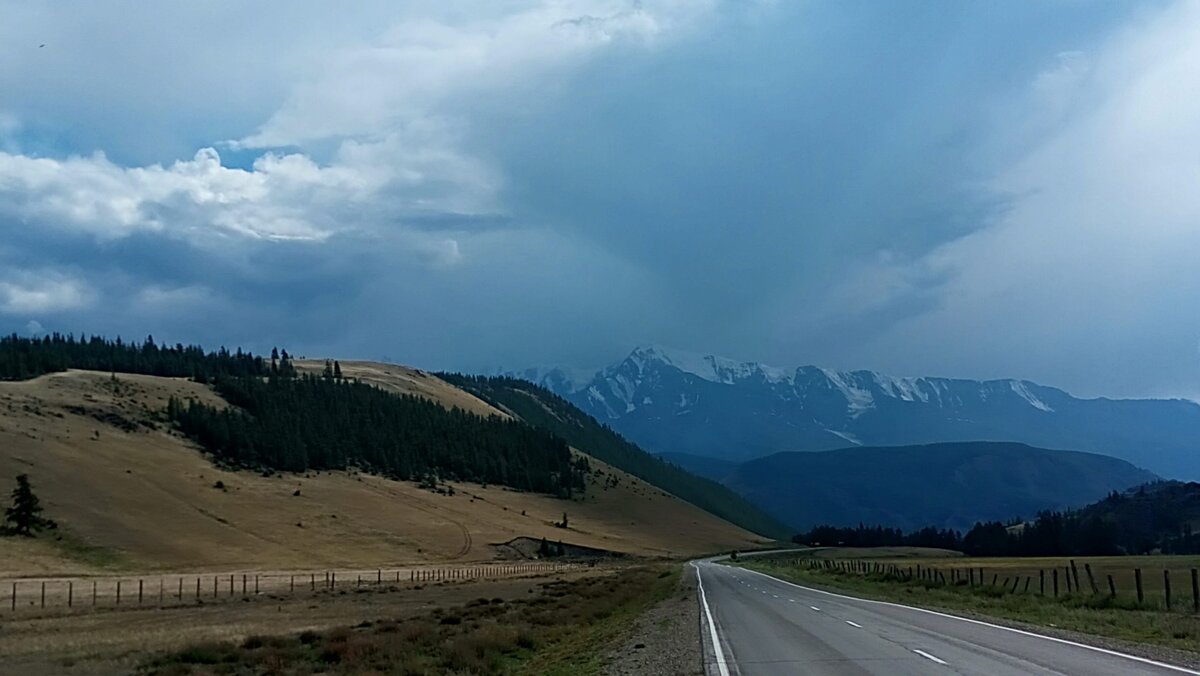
665, 640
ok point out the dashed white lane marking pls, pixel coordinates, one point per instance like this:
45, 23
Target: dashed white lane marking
854, 624
927, 656
775, 595
815, 608
1022, 632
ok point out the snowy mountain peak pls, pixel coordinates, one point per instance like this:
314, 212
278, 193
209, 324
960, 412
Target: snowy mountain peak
708, 367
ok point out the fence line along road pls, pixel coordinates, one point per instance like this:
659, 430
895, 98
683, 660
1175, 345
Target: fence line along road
175, 589
1053, 582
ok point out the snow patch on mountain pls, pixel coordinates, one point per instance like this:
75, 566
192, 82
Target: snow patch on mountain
1019, 386
858, 400
845, 435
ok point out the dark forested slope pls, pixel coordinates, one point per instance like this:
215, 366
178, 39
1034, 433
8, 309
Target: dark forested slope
950, 485
545, 410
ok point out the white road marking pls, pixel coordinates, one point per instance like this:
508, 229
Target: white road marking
853, 624
775, 595
1105, 651
815, 608
927, 656
712, 626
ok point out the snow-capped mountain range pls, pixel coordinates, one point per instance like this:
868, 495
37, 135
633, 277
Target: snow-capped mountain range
671, 401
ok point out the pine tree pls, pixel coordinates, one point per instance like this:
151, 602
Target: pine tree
337, 370
24, 517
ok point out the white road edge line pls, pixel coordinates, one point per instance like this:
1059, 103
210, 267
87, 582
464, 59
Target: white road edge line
854, 624
926, 655
712, 626
815, 608
1106, 651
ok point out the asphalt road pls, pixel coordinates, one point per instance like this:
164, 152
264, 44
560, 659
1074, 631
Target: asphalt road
766, 626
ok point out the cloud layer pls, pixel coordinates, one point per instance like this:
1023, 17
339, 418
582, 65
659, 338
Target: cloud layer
949, 190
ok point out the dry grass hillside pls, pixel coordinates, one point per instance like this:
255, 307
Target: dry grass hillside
132, 495
407, 380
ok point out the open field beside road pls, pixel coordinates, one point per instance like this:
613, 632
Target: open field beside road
116, 640
131, 496
36, 597
955, 585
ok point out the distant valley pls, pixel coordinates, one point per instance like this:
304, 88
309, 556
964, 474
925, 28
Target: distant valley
949, 485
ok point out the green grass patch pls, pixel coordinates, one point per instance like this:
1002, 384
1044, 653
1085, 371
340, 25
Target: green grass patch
564, 629
76, 549
1082, 611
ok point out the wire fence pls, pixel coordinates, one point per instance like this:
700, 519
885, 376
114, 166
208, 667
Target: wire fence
1166, 588
170, 590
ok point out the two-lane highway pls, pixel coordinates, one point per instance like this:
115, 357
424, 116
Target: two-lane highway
762, 625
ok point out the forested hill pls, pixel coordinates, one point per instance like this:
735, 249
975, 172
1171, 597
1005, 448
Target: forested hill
547, 411
282, 420
25, 358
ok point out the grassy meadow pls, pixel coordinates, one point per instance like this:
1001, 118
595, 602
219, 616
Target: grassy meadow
966, 585
563, 629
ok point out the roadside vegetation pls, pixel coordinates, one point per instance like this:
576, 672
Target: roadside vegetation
1021, 590
564, 629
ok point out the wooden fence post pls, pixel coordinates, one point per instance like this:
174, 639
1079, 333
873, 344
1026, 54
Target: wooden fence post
1087, 567
1054, 574
1041, 582
256, 583
1167, 586
1195, 592
1112, 587
140, 581
1075, 574
93, 593
118, 592
180, 589
14, 596
1067, 574
1137, 580
43, 593
243, 584
160, 591
70, 593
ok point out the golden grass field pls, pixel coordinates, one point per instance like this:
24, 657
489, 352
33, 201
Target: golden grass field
132, 495
115, 641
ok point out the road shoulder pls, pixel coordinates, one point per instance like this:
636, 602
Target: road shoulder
665, 640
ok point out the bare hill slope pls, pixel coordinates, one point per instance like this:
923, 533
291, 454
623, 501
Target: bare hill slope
129, 493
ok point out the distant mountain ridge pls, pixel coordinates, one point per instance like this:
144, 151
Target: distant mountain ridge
670, 401
949, 485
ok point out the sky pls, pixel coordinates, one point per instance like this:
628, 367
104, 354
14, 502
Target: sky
978, 190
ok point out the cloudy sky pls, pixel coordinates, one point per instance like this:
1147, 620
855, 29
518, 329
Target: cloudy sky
933, 188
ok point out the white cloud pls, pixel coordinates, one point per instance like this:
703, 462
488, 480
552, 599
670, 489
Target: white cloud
421, 68
1093, 264
41, 292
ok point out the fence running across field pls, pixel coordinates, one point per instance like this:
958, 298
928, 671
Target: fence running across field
180, 589
1054, 581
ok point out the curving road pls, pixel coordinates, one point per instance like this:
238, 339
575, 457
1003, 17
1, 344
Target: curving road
755, 624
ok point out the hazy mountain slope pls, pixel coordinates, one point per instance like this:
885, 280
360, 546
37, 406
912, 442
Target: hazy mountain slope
674, 402
542, 408
130, 493
946, 485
